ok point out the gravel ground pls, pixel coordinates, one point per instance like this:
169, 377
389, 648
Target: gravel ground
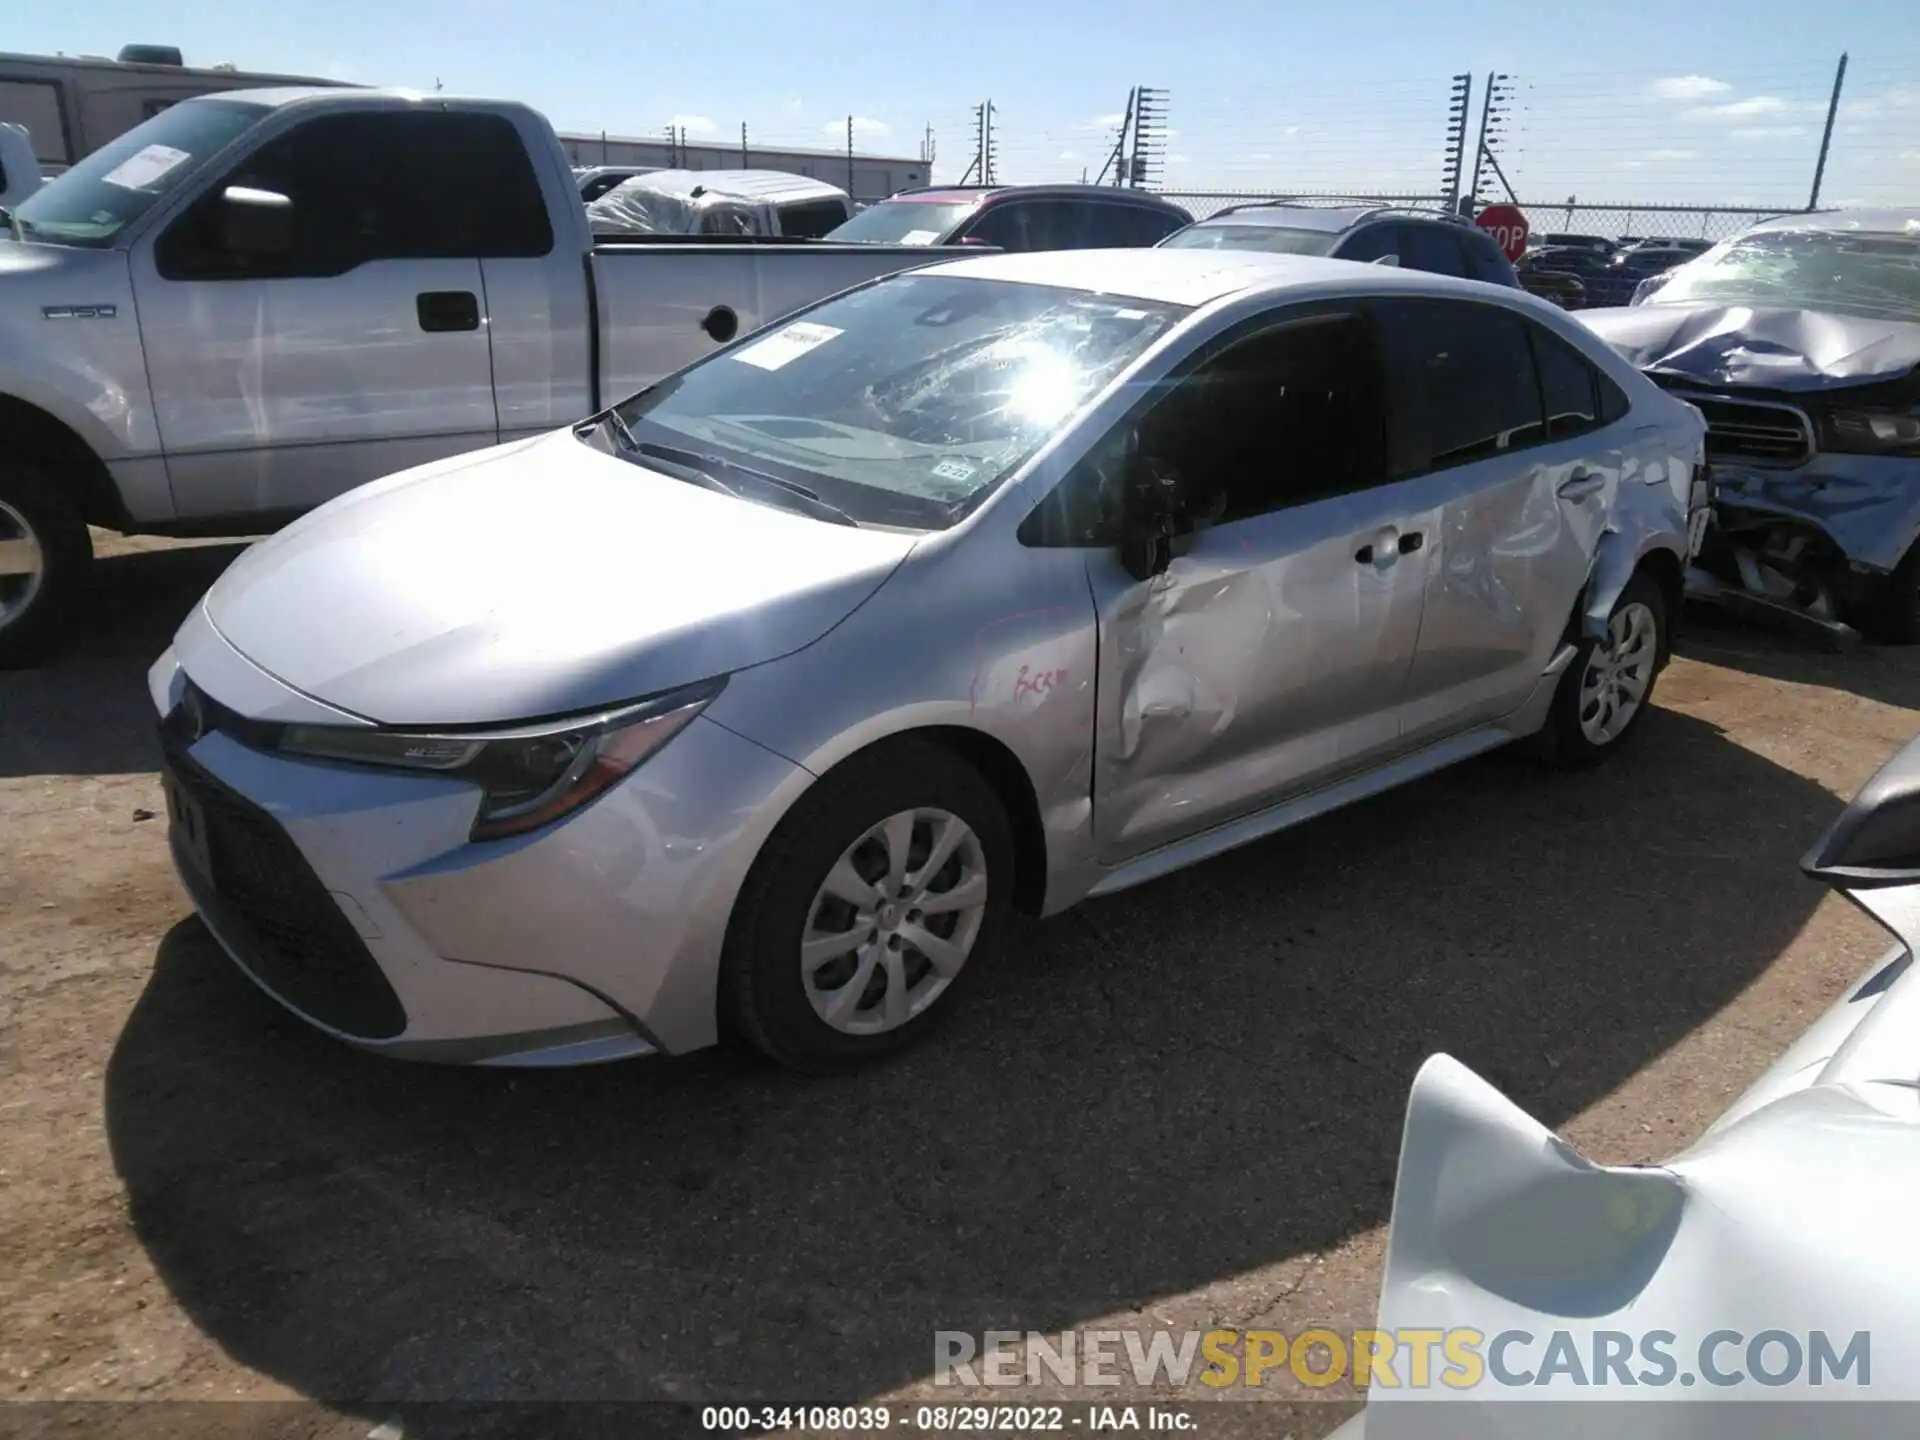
1175, 1108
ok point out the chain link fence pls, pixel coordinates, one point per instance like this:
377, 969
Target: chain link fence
1647, 222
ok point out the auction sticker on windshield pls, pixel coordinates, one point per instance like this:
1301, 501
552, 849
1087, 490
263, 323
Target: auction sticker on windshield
920, 237
150, 164
785, 346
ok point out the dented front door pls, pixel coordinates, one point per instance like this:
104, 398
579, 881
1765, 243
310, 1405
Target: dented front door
1268, 659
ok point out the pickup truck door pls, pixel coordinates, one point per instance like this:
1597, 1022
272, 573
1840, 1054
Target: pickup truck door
285, 375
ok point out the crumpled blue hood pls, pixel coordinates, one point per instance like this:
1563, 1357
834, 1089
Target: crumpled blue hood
1719, 345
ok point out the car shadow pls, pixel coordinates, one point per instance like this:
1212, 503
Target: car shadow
1159, 1090
1883, 673
86, 711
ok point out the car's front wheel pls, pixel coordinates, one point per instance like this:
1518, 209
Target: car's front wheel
877, 897
1608, 685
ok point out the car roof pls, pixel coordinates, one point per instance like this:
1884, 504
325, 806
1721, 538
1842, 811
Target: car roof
1899, 220
1325, 218
770, 186
979, 194
1195, 277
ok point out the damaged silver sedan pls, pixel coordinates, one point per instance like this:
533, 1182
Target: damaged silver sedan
1798, 341
997, 584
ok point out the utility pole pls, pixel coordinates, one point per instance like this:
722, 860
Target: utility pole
743, 146
1826, 135
850, 155
984, 149
1458, 107
1119, 150
1492, 116
1149, 139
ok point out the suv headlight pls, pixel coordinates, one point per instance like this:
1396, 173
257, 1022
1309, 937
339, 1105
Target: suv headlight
529, 775
1870, 432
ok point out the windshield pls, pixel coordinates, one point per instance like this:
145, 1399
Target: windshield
1275, 239
905, 222
905, 402
1853, 272
117, 184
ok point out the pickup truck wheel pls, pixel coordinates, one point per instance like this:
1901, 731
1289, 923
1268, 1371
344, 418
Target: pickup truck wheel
45, 553
875, 900
1605, 690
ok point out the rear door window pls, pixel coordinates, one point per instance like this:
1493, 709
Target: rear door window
1432, 248
1370, 242
1465, 387
1124, 226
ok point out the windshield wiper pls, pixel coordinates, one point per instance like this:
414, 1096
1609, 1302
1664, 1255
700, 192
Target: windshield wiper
796, 496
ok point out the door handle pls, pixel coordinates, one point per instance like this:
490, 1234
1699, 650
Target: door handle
448, 310
1385, 549
1580, 484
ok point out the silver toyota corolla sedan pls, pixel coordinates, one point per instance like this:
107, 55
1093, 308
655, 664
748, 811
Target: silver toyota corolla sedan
753, 705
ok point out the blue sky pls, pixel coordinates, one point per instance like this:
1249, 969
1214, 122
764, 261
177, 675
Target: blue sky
1701, 101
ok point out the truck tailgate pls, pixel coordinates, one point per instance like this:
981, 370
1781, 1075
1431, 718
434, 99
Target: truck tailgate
653, 300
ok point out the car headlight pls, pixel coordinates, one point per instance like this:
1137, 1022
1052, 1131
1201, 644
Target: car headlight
1871, 432
529, 775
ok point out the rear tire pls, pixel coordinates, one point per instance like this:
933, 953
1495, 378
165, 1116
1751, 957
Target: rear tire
45, 559
1608, 686
1893, 616
905, 846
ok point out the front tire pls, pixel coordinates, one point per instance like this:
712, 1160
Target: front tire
45, 557
1607, 688
874, 903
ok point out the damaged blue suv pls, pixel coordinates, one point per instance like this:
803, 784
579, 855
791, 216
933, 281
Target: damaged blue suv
1799, 341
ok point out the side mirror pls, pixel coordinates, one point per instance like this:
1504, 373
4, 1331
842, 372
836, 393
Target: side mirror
1154, 512
257, 224
1876, 841
1393, 260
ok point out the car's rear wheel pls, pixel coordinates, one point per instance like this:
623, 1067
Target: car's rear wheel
45, 554
873, 904
1606, 688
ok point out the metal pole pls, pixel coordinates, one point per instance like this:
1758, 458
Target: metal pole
1826, 135
743, 146
1480, 146
849, 155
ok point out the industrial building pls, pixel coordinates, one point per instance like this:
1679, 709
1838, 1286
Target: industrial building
72, 105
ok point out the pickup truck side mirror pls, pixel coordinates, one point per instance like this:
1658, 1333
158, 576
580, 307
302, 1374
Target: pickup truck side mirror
255, 224
1154, 512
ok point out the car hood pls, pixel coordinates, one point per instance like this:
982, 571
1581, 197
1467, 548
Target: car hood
1747, 345
536, 579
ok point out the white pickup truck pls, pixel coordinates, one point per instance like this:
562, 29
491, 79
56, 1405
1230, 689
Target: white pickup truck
256, 301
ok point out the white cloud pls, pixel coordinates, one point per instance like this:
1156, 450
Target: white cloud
1176, 159
1293, 130
861, 126
1910, 155
1689, 87
1752, 106
1103, 122
1767, 132
793, 105
1671, 154
1069, 154
1258, 156
692, 124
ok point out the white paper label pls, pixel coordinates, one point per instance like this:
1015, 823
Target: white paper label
958, 471
138, 171
920, 237
785, 346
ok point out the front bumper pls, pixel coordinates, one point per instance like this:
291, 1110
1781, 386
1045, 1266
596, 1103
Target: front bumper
354, 897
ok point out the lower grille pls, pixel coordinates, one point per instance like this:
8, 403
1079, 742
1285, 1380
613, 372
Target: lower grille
1754, 431
256, 888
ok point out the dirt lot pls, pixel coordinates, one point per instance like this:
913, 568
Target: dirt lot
1178, 1107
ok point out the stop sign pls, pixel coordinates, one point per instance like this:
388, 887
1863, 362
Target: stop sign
1507, 226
